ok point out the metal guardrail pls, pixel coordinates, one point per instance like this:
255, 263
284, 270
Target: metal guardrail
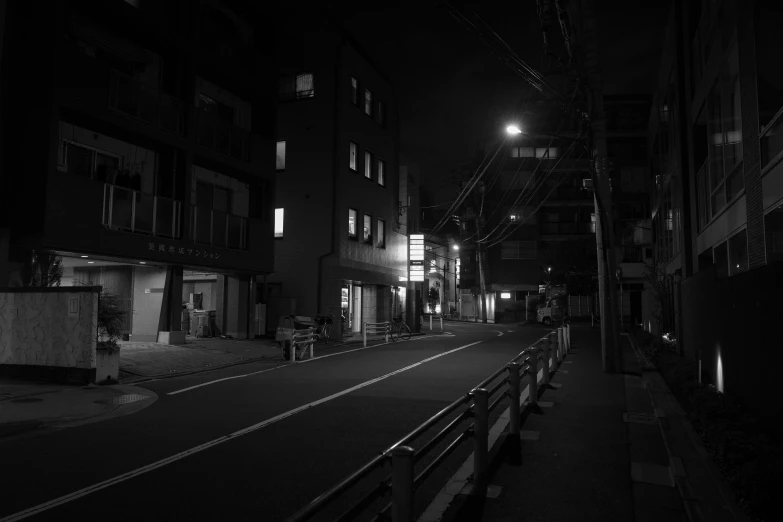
374, 328
441, 322
301, 340
402, 482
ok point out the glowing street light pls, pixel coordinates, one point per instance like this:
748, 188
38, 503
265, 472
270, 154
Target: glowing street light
513, 129
456, 247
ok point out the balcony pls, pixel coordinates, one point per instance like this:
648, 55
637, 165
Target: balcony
134, 211
633, 254
566, 228
222, 136
772, 140
217, 228
146, 104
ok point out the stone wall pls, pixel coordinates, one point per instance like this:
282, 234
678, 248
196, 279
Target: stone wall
49, 327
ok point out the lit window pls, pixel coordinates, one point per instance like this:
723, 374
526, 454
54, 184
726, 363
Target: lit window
546, 153
367, 234
367, 102
592, 222
381, 113
433, 266
352, 223
505, 295
522, 152
513, 217
296, 87
381, 172
381, 242
280, 155
352, 161
368, 164
279, 214
354, 91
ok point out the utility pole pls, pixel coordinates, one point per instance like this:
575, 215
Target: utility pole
610, 338
480, 255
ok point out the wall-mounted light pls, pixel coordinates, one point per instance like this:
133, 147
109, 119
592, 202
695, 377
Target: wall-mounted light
90, 262
85, 256
142, 262
505, 295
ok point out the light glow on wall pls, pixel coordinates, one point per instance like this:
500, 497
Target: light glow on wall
505, 295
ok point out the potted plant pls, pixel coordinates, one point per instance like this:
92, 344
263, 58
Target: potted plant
111, 320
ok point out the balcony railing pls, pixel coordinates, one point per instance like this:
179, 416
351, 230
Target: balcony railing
127, 209
146, 104
566, 228
223, 136
633, 254
216, 228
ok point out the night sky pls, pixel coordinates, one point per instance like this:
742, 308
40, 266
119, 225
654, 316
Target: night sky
453, 93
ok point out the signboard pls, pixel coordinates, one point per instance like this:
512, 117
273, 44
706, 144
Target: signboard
416, 257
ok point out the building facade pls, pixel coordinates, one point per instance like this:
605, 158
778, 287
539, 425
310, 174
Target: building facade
716, 170
142, 154
340, 247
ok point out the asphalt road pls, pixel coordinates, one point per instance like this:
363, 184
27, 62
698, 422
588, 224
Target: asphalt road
308, 426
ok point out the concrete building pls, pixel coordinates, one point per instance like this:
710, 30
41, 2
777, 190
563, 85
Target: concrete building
141, 152
340, 246
717, 202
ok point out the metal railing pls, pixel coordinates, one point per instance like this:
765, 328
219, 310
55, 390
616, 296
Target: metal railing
147, 104
133, 210
222, 136
401, 484
221, 229
633, 254
300, 341
376, 328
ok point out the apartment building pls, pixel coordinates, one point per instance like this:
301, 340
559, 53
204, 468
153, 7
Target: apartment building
717, 178
141, 152
340, 246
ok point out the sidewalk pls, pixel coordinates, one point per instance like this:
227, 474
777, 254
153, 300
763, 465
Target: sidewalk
26, 406
605, 447
144, 361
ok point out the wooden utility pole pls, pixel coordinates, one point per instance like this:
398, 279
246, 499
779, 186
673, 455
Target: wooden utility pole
480, 255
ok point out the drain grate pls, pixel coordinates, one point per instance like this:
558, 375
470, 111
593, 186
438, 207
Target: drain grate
123, 399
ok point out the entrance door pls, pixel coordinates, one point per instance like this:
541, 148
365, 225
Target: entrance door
636, 307
356, 309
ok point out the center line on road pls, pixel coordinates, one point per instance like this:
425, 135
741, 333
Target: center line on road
40, 508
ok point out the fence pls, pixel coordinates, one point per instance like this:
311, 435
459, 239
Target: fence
301, 340
402, 483
376, 328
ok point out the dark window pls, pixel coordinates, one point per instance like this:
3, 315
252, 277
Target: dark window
297, 87
367, 231
367, 102
381, 239
354, 91
381, 113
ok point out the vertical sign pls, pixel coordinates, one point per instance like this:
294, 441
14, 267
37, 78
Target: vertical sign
416, 250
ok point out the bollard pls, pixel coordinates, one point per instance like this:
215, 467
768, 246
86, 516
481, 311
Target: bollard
568, 338
513, 396
364, 334
546, 359
402, 484
293, 351
555, 351
430, 322
480, 440
441, 323
311, 350
386, 331
533, 374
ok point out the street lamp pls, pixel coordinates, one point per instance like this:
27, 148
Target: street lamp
456, 247
513, 129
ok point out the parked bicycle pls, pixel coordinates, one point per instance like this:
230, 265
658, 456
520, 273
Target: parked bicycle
324, 329
400, 330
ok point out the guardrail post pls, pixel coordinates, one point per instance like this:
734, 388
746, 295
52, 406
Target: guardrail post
430, 322
560, 347
555, 348
533, 373
386, 331
545, 342
364, 334
568, 337
480, 440
513, 396
402, 484
311, 349
293, 351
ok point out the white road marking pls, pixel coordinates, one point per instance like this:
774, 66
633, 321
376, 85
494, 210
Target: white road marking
159, 464
499, 332
209, 383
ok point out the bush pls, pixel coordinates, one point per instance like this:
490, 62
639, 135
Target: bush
111, 320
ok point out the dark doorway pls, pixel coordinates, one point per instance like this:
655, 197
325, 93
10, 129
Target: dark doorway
636, 307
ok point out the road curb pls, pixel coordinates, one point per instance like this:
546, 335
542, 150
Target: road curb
12, 429
141, 379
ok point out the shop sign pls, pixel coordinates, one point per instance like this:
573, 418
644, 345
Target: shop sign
189, 251
416, 253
